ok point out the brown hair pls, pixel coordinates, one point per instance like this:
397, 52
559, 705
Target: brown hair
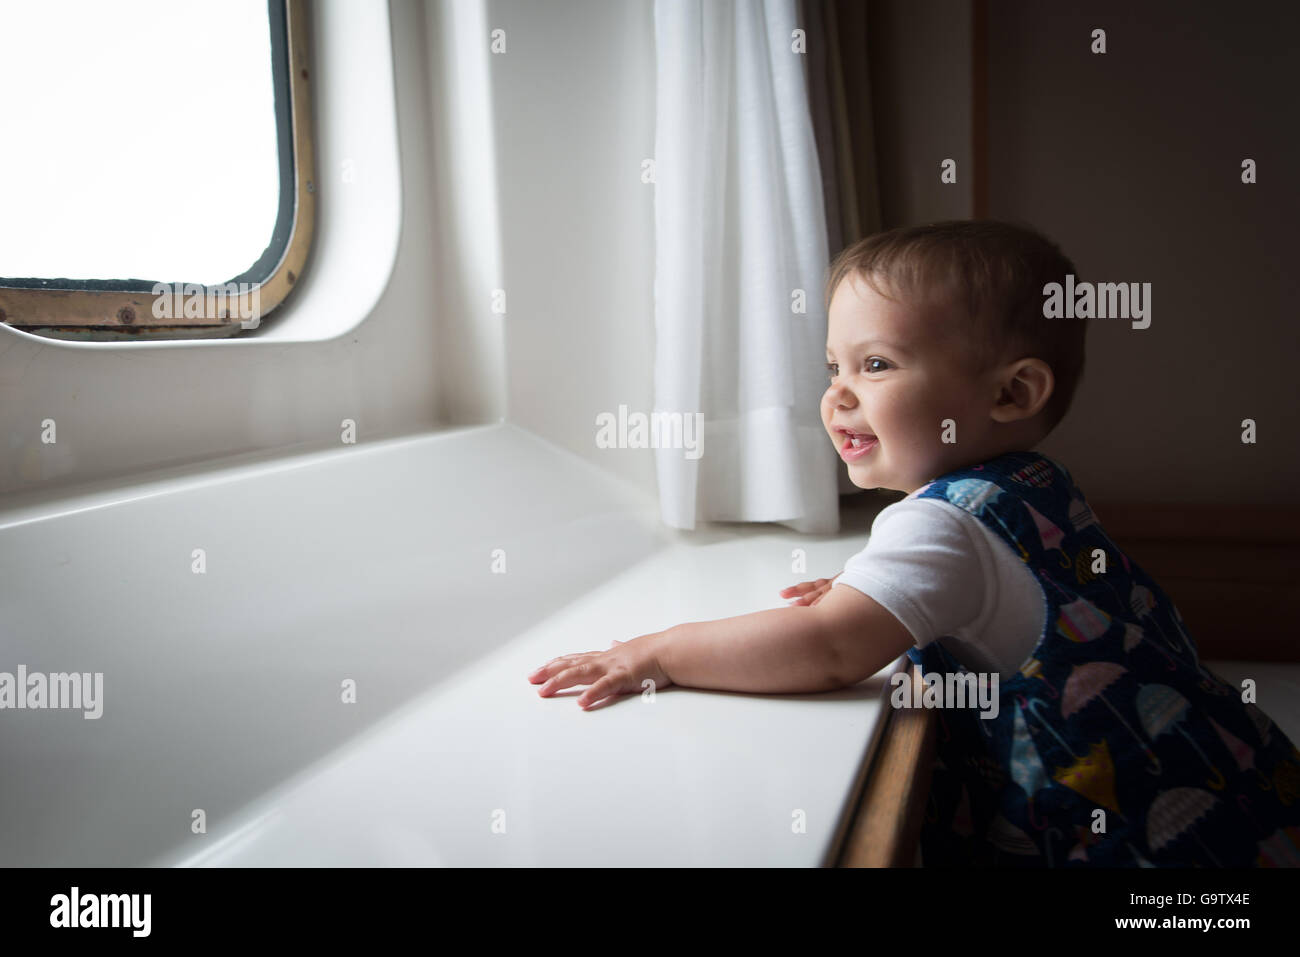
997, 271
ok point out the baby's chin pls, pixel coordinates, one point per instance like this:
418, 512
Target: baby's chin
863, 479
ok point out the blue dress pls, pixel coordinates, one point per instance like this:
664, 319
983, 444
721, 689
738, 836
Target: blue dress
1112, 745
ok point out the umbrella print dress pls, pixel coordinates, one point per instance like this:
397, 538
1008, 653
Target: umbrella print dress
1112, 746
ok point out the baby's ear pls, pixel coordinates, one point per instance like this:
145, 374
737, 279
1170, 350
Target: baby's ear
1024, 390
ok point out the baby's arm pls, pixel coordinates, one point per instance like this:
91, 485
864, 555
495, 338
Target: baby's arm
798, 649
834, 644
778, 650
862, 634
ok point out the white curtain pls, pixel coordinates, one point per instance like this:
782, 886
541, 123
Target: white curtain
739, 231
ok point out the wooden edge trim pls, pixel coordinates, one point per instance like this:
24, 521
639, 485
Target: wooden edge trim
73, 310
892, 788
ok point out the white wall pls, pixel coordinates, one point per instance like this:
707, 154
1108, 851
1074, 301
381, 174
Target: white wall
575, 115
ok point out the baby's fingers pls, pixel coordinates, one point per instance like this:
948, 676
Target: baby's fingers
610, 684
807, 592
555, 666
575, 675
800, 588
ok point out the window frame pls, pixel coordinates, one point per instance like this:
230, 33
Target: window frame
115, 310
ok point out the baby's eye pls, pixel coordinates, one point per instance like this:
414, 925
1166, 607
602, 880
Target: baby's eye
832, 367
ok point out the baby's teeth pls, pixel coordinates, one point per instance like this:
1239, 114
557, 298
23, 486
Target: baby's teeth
857, 442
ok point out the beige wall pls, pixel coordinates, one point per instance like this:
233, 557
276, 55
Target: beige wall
920, 66
1131, 160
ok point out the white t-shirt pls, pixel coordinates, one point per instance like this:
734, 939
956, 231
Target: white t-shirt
941, 572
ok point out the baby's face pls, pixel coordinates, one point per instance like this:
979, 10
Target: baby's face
897, 372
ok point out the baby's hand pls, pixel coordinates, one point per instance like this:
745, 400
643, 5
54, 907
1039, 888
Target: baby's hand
619, 670
809, 593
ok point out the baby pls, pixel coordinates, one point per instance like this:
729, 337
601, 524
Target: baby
1110, 744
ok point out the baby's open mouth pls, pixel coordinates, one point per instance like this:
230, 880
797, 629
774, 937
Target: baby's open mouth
856, 440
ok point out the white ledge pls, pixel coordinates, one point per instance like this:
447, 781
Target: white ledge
222, 691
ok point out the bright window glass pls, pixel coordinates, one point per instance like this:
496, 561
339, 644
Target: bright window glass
139, 139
